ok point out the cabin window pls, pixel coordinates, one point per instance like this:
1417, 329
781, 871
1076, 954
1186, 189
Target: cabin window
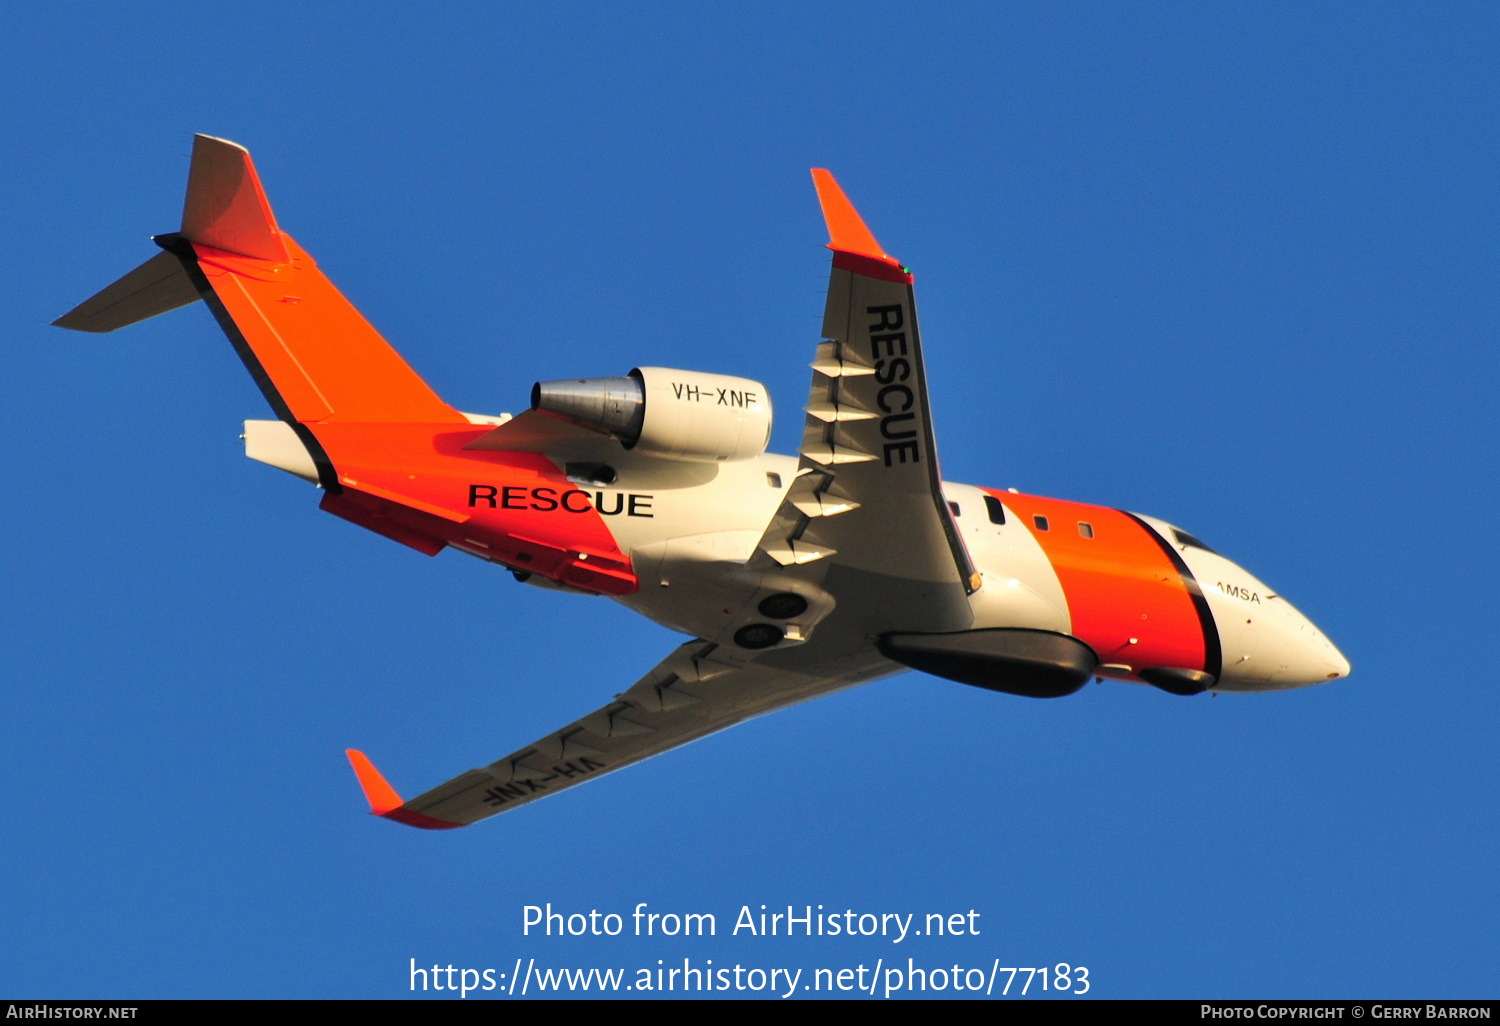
1041, 523
773, 479
1086, 530
995, 510
953, 508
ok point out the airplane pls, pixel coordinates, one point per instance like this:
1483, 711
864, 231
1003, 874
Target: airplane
793, 576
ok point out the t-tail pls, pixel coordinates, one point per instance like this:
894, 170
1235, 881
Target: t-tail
320, 364
313, 354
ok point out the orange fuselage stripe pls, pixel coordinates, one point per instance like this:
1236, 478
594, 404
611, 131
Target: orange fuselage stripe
1120, 584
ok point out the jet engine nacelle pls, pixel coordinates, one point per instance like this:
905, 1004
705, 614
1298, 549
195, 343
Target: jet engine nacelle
1038, 664
679, 415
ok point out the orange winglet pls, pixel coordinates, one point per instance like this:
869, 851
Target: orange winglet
381, 795
849, 237
383, 799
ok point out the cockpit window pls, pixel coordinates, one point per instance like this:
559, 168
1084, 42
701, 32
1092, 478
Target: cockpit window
1183, 538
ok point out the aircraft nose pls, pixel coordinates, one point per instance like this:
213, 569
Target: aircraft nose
1341, 665
1300, 654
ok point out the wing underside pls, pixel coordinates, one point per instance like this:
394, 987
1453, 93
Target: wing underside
866, 509
694, 692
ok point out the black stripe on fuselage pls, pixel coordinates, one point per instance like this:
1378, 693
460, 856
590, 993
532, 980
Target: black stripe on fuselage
182, 249
1213, 649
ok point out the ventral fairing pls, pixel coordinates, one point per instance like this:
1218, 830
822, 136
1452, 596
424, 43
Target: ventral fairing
794, 576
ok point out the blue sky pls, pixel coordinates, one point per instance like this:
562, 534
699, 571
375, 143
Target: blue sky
1231, 265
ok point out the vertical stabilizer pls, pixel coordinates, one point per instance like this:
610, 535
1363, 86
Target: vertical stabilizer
226, 208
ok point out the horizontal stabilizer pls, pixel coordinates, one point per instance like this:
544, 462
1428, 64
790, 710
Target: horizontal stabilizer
277, 444
158, 285
226, 208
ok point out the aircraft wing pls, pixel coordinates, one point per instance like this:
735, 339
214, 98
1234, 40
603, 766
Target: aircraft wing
866, 512
864, 537
697, 690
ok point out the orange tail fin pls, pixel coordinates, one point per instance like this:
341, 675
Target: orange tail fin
313, 354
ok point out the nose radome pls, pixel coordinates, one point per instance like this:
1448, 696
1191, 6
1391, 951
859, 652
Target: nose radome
1303, 655
1341, 665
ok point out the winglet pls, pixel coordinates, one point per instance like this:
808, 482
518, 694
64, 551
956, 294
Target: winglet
226, 208
850, 236
383, 799
381, 795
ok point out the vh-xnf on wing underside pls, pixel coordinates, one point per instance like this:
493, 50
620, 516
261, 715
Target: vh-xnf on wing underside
795, 575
